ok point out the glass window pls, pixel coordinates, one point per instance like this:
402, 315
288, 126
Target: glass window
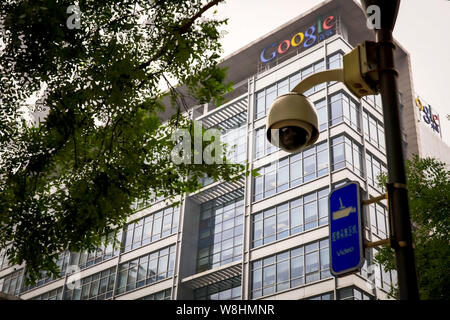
221, 233
321, 108
258, 185
151, 228
146, 269
223, 290
283, 86
283, 175
93, 287
322, 160
335, 60
288, 173
378, 103
265, 97
289, 268
310, 215
290, 218
373, 131
260, 142
260, 104
10, 284
345, 152
271, 94
366, 124
309, 168
161, 295
338, 153
270, 180
294, 80
336, 115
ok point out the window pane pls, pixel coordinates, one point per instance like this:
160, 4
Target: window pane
325, 258
283, 178
322, 162
269, 275
336, 112
94, 288
270, 97
310, 212
296, 173
269, 183
312, 262
282, 223
260, 104
338, 156
297, 267
269, 226
323, 207
294, 80
258, 187
283, 271
296, 217
257, 230
162, 265
309, 168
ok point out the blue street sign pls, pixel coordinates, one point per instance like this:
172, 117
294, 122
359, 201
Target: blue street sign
346, 235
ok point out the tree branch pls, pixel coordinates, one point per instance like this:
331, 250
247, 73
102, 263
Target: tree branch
183, 29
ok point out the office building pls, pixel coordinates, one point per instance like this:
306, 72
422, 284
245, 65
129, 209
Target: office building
262, 237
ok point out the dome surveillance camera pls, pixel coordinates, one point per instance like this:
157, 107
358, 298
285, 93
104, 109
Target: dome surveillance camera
292, 123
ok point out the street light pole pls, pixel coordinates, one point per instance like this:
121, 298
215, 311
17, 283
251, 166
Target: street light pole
402, 241
369, 68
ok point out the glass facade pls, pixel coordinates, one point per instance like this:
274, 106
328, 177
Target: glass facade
374, 131
353, 293
220, 233
322, 114
374, 168
87, 259
291, 171
347, 153
153, 267
161, 295
236, 141
10, 284
262, 146
223, 290
325, 296
289, 269
334, 60
99, 286
344, 109
293, 217
63, 260
151, 228
56, 294
267, 96
378, 216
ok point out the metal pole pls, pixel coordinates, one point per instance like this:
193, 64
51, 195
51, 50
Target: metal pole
402, 242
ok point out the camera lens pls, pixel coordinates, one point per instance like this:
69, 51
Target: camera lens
292, 137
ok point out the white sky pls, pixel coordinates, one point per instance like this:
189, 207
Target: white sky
422, 28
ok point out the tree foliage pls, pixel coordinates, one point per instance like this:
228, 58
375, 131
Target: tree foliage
69, 181
429, 200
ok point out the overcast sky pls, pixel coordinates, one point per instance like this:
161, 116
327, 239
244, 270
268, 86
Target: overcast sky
422, 28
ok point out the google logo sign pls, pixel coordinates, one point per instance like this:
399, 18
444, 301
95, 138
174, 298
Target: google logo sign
308, 38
